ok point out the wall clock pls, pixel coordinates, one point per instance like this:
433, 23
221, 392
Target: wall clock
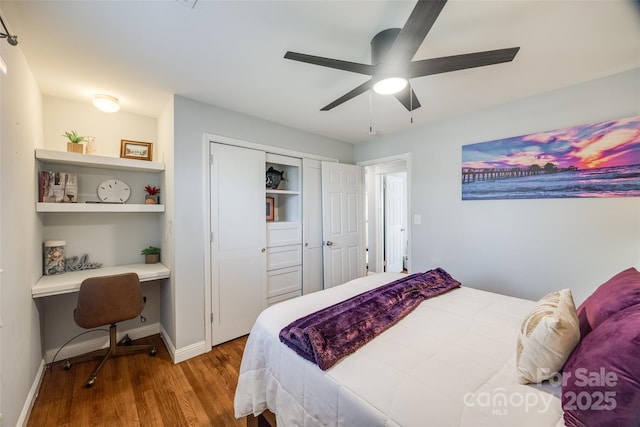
114, 191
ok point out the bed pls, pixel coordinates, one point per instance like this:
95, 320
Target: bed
464, 358
450, 362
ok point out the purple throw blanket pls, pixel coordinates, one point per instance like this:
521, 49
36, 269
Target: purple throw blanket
329, 334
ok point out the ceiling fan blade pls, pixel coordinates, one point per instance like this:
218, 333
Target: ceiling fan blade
409, 103
445, 64
354, 67
349, 95
415, 30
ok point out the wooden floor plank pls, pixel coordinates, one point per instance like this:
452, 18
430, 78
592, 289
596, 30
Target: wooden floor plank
140, 390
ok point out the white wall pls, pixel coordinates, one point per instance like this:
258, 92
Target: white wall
20, 227
192, 119
61, 115
165, 143
524, 248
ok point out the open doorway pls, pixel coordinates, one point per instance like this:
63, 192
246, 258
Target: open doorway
387, 208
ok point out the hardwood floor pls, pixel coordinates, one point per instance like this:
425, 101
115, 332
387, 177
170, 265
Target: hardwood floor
140, 390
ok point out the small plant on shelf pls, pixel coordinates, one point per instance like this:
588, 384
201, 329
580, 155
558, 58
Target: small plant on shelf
73, 145
73, 137
153, 195
151, 255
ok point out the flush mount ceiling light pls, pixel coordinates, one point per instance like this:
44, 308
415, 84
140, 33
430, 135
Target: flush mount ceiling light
106, 103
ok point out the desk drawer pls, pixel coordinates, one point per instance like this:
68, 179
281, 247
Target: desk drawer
284, 256
284, 280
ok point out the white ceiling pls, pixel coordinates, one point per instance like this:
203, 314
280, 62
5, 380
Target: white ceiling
230, 54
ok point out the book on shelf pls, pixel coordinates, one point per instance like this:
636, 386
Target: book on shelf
58, 187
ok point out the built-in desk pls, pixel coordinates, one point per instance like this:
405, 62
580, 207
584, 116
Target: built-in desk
70, 281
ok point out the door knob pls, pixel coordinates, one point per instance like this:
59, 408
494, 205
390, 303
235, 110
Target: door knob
263, 250
329, 243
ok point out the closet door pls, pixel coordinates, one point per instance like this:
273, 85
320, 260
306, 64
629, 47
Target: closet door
312, 226
238, 243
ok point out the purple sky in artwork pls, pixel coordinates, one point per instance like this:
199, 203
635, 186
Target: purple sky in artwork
597, 145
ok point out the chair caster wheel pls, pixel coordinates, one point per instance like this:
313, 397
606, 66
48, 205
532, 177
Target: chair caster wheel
90, 383
67, 365
153, 351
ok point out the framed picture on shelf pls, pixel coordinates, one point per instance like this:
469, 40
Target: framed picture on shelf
269, 208
136, 150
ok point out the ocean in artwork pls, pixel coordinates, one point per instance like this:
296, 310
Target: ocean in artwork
615, 181
595, 160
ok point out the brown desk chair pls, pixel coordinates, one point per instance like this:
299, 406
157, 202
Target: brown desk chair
104, 301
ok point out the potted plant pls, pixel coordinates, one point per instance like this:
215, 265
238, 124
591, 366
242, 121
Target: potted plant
73, 145
152, 196
151, 255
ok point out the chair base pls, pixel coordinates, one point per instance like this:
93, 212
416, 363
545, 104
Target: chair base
115, 349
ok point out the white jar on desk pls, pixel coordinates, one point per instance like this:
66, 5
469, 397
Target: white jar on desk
54, 257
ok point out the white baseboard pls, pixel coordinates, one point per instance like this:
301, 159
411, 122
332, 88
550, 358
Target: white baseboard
184, 353
31, 396
99, 342
171, 348
189, 351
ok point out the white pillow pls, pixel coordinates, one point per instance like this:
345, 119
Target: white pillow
547, 337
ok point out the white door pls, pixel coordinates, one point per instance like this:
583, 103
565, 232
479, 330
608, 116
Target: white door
342, 223
312, 226
238, 224
394, 221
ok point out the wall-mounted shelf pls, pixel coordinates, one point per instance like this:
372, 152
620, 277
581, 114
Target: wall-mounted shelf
96, 163
272, 191
102, 162
97, 207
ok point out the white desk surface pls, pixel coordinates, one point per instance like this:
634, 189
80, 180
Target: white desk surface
70, 281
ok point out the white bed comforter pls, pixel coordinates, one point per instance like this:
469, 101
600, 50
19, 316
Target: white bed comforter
450, 362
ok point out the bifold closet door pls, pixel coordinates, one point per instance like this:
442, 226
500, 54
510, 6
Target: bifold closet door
238, 243
312, 226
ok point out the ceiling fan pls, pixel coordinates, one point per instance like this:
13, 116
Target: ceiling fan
392, 51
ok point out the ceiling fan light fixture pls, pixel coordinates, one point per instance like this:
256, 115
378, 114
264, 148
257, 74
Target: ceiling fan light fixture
106, 103
389, 85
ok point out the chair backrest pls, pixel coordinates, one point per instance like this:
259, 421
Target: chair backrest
108, 299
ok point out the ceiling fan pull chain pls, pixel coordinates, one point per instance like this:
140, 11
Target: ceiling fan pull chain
410, 100
370, 113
